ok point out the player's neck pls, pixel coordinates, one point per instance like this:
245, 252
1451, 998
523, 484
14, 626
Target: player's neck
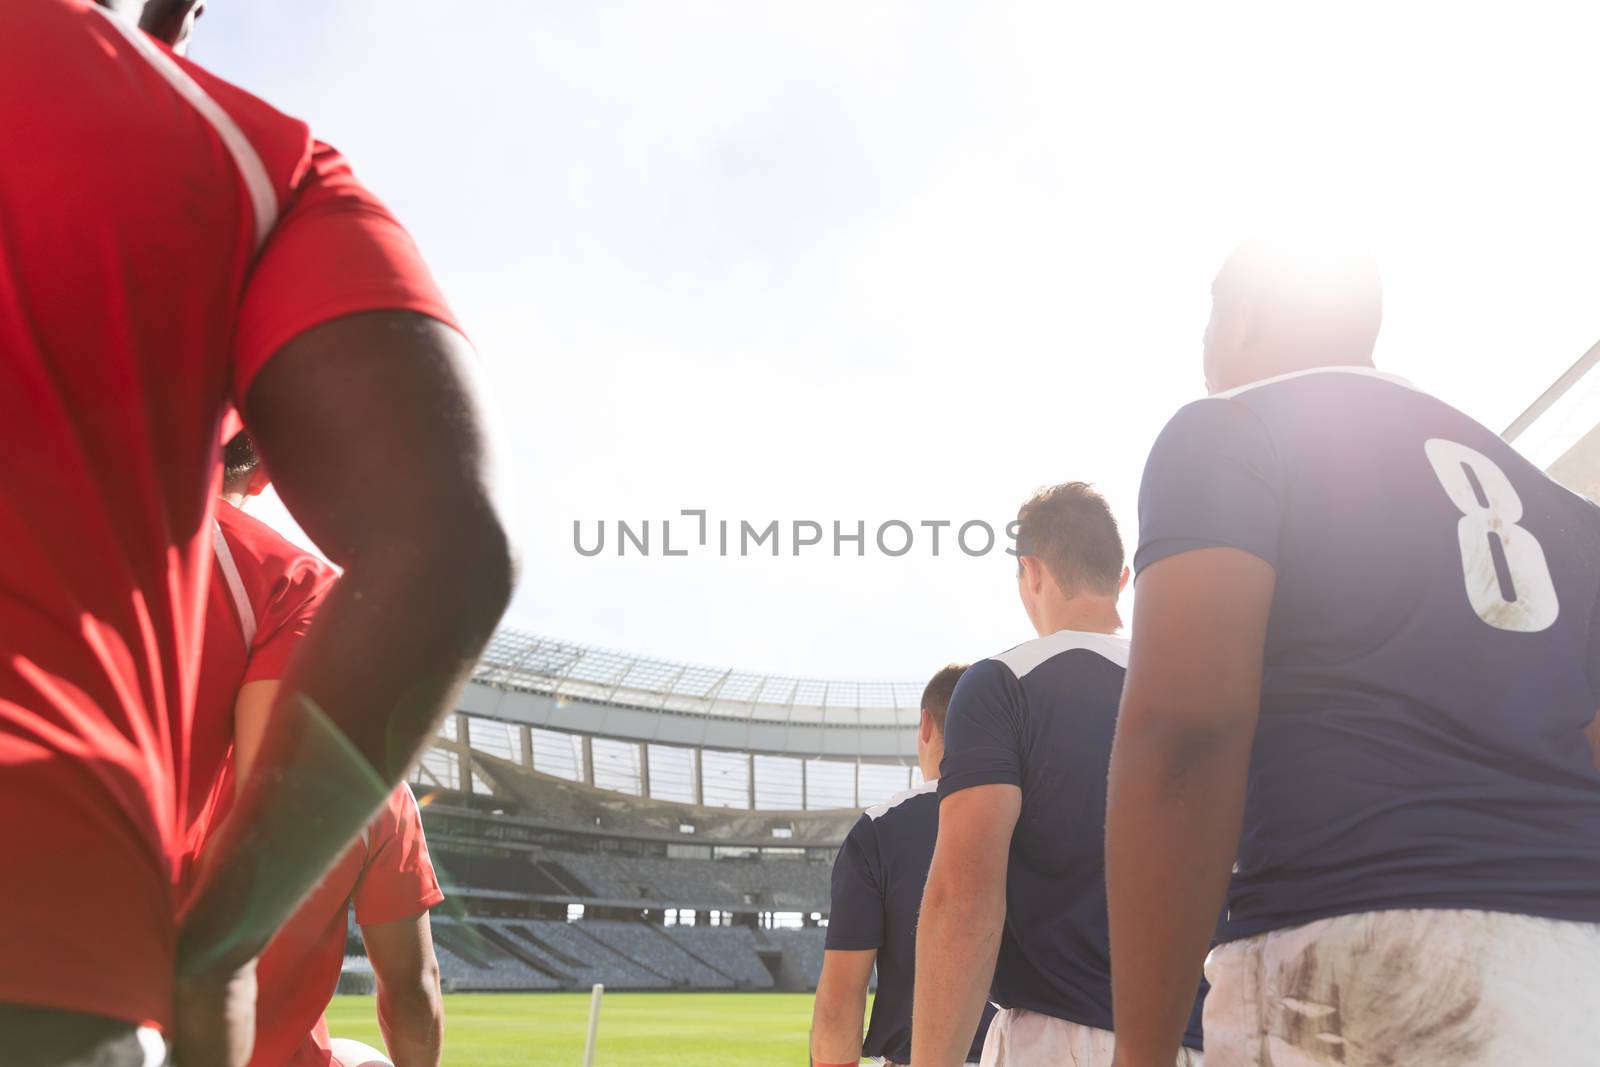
1086, 614
126, 9
1277, 363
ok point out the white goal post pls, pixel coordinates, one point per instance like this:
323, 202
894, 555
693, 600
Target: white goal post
597, 993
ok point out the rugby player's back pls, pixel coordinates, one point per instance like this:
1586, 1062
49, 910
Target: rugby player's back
165, 235
1042, 717
878, 879
1431, 660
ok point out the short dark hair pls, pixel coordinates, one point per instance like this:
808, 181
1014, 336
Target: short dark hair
239, 461
1070, 527
936, 694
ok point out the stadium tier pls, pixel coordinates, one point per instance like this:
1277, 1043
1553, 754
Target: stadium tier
596, 817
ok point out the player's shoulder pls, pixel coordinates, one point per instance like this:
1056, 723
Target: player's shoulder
402, 805
399, 815
283, 142
253, 542
988, 675
1315, 379
908, 802
1021, 661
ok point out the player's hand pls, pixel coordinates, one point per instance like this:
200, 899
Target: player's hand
216, 1018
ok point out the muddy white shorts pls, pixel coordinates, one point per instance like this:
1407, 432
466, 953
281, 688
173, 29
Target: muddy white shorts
1019, 1038
349, 1053
1453, 988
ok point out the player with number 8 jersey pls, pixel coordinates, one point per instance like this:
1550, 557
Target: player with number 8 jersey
1429, 664
1418, 874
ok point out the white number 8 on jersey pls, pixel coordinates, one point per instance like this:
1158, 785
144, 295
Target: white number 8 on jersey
1470, 478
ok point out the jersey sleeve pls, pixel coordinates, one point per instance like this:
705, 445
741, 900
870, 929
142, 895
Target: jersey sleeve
856, 919
336, 251
984, 730
1212, 481
398, 880
294, 599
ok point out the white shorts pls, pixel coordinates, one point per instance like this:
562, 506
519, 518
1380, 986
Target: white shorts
1454, 988
349, 1053
1020, 1038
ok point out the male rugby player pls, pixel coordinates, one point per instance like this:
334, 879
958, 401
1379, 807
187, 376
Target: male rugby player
173, 246
1365, 655
265, 593
1017, 890
877, 890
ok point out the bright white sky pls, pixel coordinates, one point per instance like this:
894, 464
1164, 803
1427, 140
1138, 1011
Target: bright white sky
912, 260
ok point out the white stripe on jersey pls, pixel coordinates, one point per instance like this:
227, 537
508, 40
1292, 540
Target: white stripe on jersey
1365, 372
1028, 655
263, 200
230, 573
878, 811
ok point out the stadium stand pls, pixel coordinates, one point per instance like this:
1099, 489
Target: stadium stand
732, 950
512, 872
554, 801
532, 954
785, 885
470, 961
597, 817
647, 944
802, 949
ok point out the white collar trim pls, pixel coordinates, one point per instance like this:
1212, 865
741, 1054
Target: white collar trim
1365, 372
1028, 655
877, 811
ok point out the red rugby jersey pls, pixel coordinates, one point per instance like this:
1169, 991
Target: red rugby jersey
164, 234
388, 876
265, 591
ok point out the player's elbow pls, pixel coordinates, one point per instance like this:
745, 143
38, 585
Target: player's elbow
964, 884
1174, 749
836, 1016
937, 895
414, 1007
951, 903
458, 566
830, 1012
480, 556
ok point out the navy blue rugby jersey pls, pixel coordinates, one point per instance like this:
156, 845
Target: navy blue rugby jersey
1432, 656
878, 880
1041, 717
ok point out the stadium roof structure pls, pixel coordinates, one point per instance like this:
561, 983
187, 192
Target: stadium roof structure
539, 681
1560, 431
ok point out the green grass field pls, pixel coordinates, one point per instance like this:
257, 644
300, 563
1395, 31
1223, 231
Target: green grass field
636, 1029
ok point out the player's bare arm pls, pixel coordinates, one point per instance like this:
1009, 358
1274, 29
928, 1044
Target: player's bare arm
373, 439
1177, 783
963, 911
410, 1005
250, 714
840, 1009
